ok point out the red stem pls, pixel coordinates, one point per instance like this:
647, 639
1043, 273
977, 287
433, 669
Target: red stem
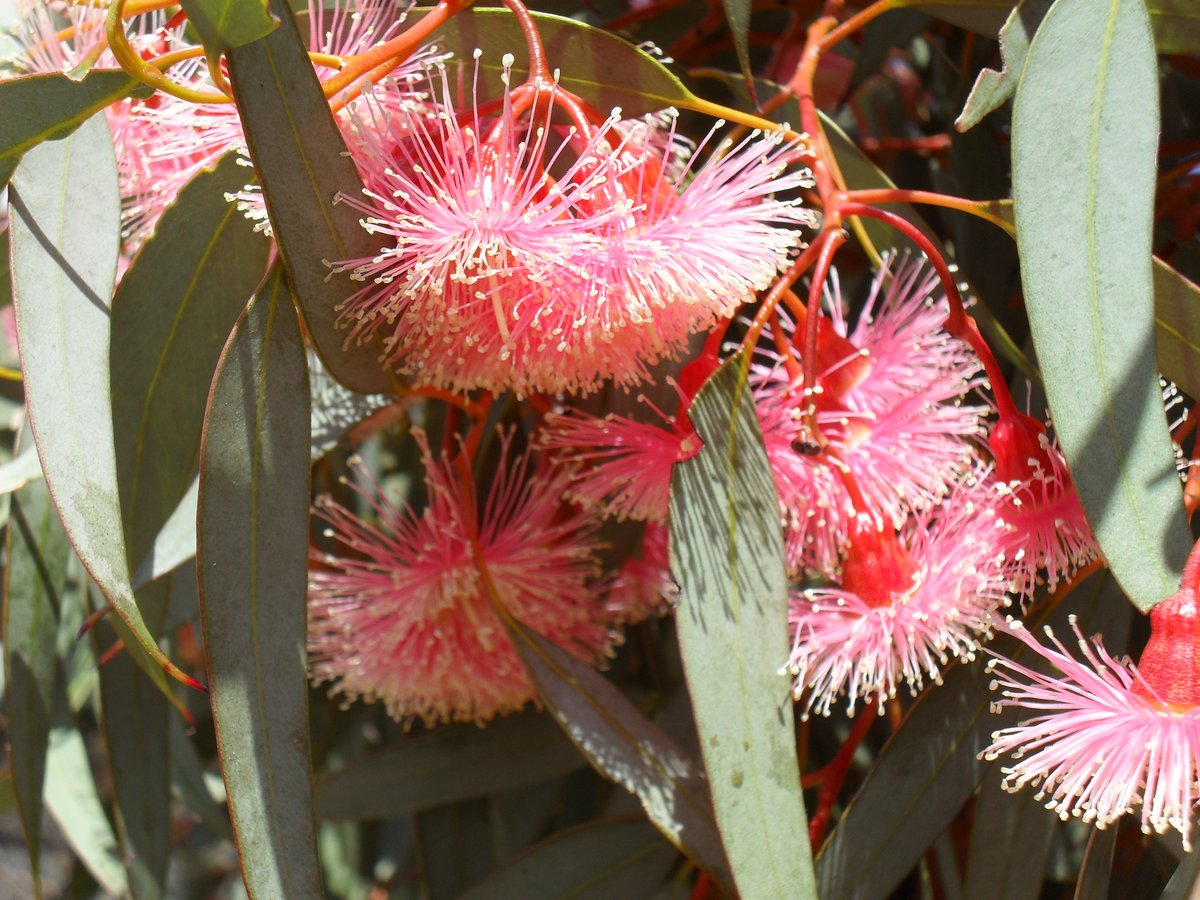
833, 776
958, 322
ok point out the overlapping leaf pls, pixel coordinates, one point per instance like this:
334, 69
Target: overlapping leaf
1085, 137
52, 107
170, 318
599, 860
447, 765
727, 556
229, 23
65, 212
1176, 23
252, 562
626, 747
302, 163
35, 577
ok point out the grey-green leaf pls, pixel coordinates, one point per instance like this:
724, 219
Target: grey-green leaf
302, 163
1176, 23
448, 764
229, 23
1010, 840
625, 746
727, 556
992, 89
34, 580
171, 316
1085, 140
598, 860
1096, 869
252, 561
599, 67
135, 719
52, 107
65, 214
72, 798
1177, 327
737, 15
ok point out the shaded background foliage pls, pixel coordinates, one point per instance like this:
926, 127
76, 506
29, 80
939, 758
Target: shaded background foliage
133, 798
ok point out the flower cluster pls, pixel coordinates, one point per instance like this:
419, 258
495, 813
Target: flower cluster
530, 256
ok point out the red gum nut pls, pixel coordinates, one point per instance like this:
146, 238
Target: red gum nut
1170, 664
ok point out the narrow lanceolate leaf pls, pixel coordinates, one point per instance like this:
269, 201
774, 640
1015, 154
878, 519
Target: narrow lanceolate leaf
252, 561
65, 213
1175, 23
902, 808
72, 798
1177, 327
170, 318
625, 746
229, 23
1010, 839
727, 556
1085, 140
992, 89
51, 107
596, 66
737, 14
136, 716
448, 764
599, 860
34, 579
303, 166
1096, 869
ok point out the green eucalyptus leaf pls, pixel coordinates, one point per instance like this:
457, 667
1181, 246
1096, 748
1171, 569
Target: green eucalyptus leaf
1175, 23
727, 557
1010, 840
35, 578
599, 860
253, 565
188, 780
65, 220
1096, 869
175, 544
625, 746
135, 720
601, 68
229, 23
52, 107
20, 470
456, 847
1177, 327
446, 765
301, 160
992, 89
1182, 885
737, 15
902, 808
171, 316
72, 798
1085, 140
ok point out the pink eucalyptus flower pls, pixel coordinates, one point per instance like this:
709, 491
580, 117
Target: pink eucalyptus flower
496, 274
889, 403
406, 617
1038, 499
908, 603
1106, 735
